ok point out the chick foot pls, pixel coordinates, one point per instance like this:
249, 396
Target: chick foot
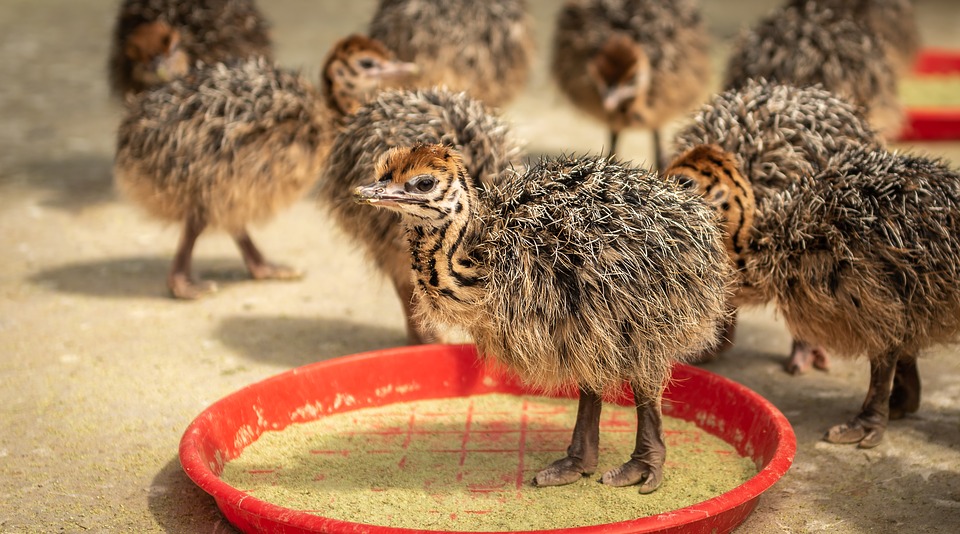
564, 471
865, 434
635, 472
803, 356
182, 287
273, 271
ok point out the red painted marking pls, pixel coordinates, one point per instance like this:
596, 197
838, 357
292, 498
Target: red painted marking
521, 449
330, 453
261, 471
406, 442
402, 463
463, 442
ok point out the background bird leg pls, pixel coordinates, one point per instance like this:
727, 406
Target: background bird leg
905, 397
259, 267
584, 450
868, 427
803, 355
657, 151
180, 282
614, 135
645, 466
418, 333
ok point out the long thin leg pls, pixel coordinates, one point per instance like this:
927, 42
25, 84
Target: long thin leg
905, 397
868, 427
614, 137
803, 356
259, 267
645, 466
180, 281
584, 450
418, 333
657, 151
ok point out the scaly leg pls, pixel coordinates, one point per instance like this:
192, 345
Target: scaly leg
905, 397
180, 282
803, 355
645, 466
259, 267
584, 450
868, 427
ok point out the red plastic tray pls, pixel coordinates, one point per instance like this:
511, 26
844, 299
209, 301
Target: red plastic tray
934, 124
718, 405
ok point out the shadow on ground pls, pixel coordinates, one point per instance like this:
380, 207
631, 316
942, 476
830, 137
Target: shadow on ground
296, 341
181, 506
74, 183
133, 277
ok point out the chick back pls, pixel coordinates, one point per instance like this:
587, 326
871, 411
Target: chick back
229, 143
863, 255
598, 273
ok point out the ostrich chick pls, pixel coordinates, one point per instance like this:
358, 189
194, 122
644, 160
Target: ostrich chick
860, 257
155, 41
406, 118
777, 134
231, 145
484, 48
580, 271
805, 44
631, 63
892, 22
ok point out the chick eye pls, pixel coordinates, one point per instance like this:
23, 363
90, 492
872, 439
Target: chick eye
366, 63
422, 185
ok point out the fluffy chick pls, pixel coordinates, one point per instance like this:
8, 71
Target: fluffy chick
578, 271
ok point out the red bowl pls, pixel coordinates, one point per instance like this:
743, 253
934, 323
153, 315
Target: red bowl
933, 123
717, 405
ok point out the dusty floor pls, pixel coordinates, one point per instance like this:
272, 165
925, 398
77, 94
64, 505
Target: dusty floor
100, 372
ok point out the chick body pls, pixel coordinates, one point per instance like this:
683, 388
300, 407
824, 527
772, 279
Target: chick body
483, 48
209, 31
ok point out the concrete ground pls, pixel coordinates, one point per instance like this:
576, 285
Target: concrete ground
100, 372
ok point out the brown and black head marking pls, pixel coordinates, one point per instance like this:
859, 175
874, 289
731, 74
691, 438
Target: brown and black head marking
715, 174
355, 68
153, 48
427, 182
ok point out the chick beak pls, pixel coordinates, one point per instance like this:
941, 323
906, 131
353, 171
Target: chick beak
615, 96
377, 194
398, 69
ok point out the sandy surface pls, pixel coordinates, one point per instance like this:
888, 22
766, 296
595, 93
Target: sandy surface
100, 372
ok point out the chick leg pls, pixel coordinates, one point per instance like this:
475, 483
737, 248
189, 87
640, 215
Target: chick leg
259, 267
180, 282
657, 151
645, 466
868, 427
905, 397
418, 333
614, 136
803, 355
584, 450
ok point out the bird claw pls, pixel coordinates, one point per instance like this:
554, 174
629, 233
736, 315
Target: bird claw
634, 472
272, 271
182, 287
564, 471
803, 358
856, 432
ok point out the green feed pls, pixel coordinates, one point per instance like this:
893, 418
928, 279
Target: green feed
931, 91
465, 464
